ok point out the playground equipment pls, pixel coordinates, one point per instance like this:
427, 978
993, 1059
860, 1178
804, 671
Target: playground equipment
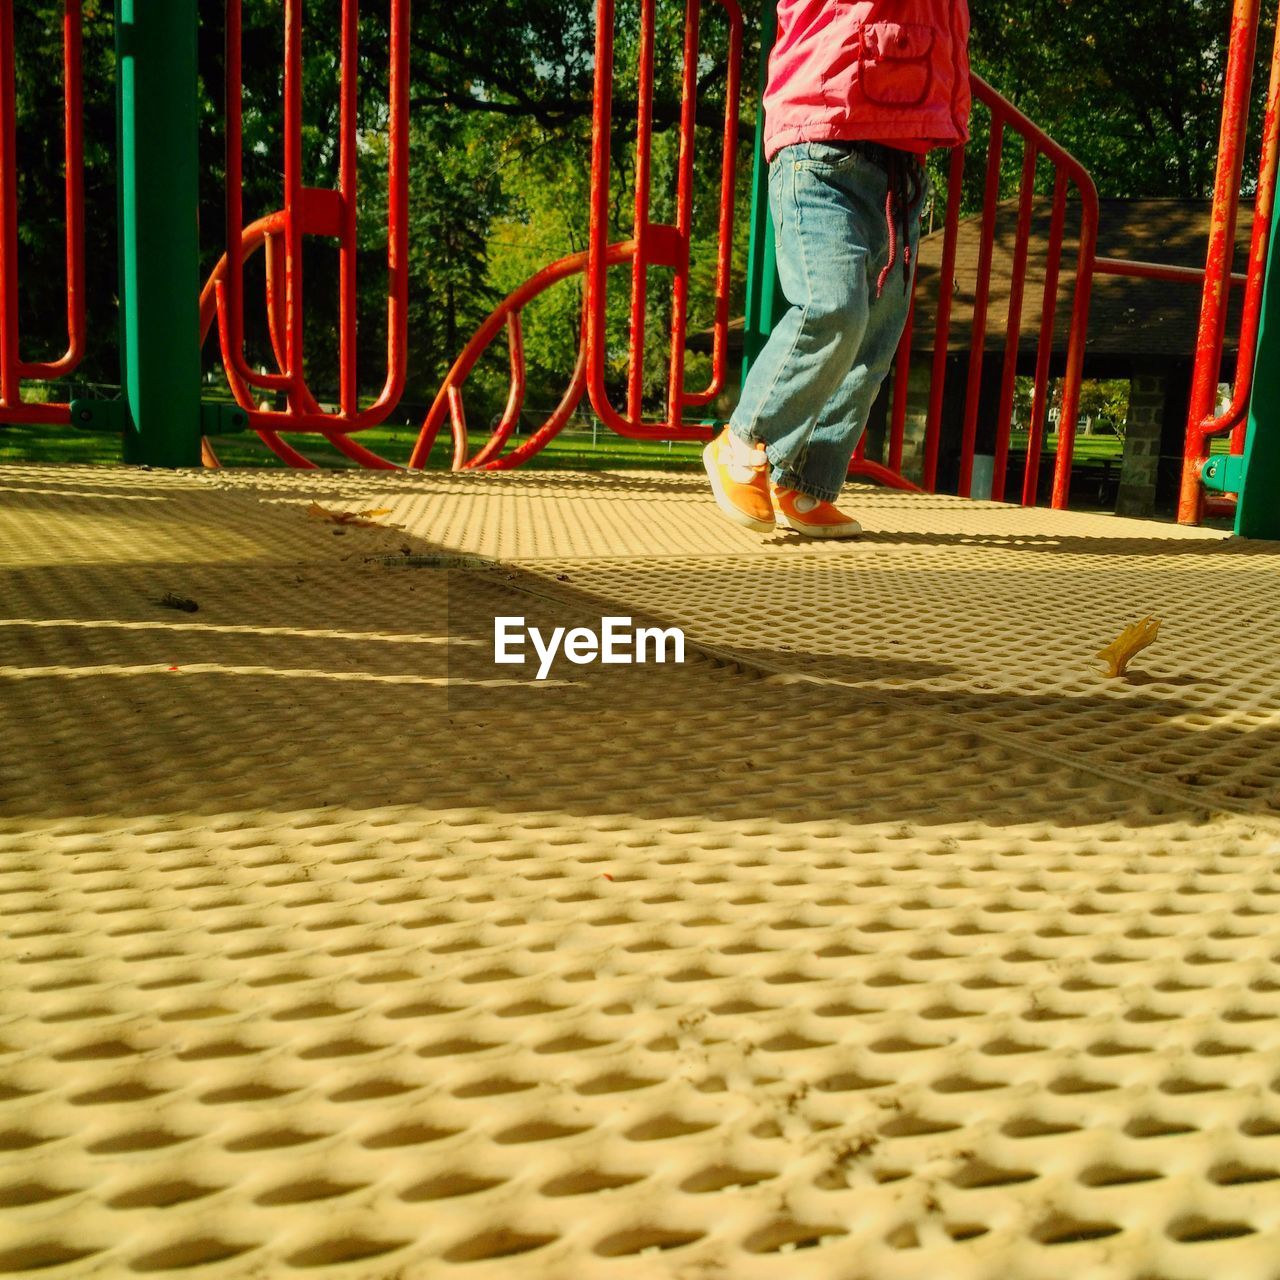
1202, 424
163, 421
764, 301
14, 370
651, 245
311, 211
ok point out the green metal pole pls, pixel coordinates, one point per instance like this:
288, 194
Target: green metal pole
765, 303
156, 95
1258, 511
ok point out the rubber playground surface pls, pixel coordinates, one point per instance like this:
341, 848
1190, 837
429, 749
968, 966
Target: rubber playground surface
884, 937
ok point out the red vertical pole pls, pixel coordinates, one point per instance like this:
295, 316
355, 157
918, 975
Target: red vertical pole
640, 231
1044, 349
724, 238
1217, 280
1013, 329
348, 392
595, 281
684, 210
398, 208
982, 293
901, 386
10, 391
1075, 346
13, 369
73, 146
293, 192
942, 330
73, 102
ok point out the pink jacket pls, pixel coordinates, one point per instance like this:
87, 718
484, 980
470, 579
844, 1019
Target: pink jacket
891, 71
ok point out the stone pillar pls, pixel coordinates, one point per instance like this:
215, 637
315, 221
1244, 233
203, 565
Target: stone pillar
1148, 390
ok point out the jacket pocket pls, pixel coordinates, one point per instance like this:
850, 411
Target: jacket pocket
895, 64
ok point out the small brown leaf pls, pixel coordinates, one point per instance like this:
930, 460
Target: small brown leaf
1132, 640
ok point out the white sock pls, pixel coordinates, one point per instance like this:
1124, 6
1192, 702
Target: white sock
744, 454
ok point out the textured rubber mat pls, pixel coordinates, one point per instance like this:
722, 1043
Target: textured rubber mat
1004, 636
326, 950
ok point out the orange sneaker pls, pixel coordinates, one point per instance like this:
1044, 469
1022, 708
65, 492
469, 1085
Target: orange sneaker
811, 516
739, 481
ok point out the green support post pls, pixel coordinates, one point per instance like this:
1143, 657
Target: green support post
1258, 510
765, 303
157, 134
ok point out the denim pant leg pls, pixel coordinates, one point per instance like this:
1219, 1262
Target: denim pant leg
842, 422
802, 396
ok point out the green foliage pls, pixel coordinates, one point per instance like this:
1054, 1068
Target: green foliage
501, 109
1106, 402
1133, 91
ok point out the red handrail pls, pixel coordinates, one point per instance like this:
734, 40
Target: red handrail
1202, 424
1068, 172
14, 370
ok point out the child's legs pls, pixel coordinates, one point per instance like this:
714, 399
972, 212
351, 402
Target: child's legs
823, 222
844, 418
808, 395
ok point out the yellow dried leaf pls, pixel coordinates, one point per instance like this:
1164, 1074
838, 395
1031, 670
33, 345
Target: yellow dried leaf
1132, 640
363, 519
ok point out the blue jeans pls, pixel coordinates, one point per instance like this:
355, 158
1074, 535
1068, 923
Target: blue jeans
808, 395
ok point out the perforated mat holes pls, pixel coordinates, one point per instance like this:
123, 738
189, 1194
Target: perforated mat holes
250, 1091
493, 1087
16, 1195
147, 1138
1109, 1174
668, 1125
353, 1248
588, 1181
498, 1242
449, 1186
41, 1255
163, 1194
1063, 1229
186, 1254
1197, 1229
977, 1175
644, 1241
786, 1236
726, 1177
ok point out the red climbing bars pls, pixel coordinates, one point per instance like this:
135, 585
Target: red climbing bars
651, 244
657, 244
13, 369
312, 211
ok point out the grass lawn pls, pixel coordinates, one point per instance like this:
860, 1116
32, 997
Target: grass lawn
574, 450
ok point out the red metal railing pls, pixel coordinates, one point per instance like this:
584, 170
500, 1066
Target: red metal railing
312, 211
657, 245
652, 244
1202, 422
1067, 173
14, 370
